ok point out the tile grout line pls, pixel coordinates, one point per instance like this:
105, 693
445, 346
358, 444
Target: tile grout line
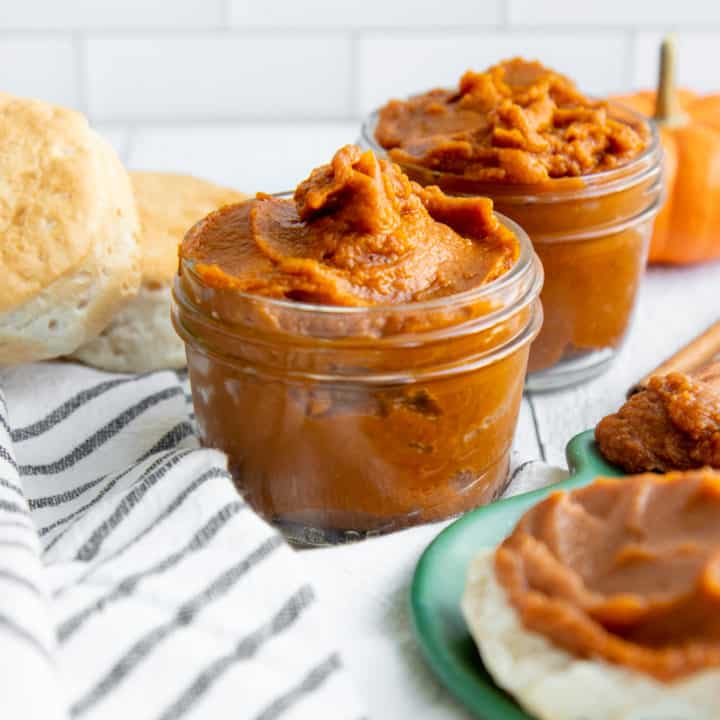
225, 14
80, 70
212, 122
128, 144
310, 29
354, 84
631, 56
224, 121
504, 15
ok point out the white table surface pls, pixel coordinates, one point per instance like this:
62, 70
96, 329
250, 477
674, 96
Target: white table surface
365, 586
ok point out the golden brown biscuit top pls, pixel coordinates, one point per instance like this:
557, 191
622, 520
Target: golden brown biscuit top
53, 195
169, 204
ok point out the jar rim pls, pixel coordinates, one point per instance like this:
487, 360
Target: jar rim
519, 269
526, 335
507, 296
603, 182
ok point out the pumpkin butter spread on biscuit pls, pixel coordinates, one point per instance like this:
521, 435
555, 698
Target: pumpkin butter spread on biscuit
604, 601
517, 122
625, 570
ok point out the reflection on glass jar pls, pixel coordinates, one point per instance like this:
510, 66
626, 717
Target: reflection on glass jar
341, 422
591, 234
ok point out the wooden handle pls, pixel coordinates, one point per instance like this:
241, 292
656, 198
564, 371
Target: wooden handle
710, 374
697, 355
667, 109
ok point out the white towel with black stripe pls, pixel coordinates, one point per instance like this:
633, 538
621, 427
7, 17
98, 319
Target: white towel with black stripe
134, 581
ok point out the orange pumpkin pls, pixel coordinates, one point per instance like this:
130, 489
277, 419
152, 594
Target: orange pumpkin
687, 229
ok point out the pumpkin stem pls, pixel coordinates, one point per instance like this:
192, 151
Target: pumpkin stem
667, 108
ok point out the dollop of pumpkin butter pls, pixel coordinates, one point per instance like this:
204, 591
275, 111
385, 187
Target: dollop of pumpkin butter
626, 570
357, 232
517, 122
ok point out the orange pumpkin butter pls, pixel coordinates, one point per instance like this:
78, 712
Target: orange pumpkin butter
350, 351
357, 233
624, 570
580, 175
517, 122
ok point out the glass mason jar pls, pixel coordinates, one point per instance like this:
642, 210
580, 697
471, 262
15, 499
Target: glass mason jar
592, 235
342, 422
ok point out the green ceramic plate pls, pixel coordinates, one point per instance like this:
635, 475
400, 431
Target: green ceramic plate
440, 577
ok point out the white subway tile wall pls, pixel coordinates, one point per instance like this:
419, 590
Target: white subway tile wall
614, 13
206, 75
40, 66
103, 14
394, 65
175, 62
266, 158
699, 54
366, 14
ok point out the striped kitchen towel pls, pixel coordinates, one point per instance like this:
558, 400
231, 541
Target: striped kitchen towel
134, 580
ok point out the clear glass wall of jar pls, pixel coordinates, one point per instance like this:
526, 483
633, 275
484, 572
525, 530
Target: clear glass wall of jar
345, 422
591, 234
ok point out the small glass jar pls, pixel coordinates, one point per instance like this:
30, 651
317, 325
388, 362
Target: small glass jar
343, 422
592, 235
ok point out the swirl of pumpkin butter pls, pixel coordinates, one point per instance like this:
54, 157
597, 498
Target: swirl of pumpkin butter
357, 232
516, 122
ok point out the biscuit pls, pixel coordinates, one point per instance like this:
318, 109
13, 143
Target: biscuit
70, 255
552, 684
140, 337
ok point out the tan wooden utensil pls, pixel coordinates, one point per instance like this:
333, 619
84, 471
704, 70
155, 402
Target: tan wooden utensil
693, 357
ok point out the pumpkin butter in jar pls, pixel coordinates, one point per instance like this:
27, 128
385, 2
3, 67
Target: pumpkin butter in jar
582, 176
358, 349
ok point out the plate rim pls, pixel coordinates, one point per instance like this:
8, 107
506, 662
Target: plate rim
585, 464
